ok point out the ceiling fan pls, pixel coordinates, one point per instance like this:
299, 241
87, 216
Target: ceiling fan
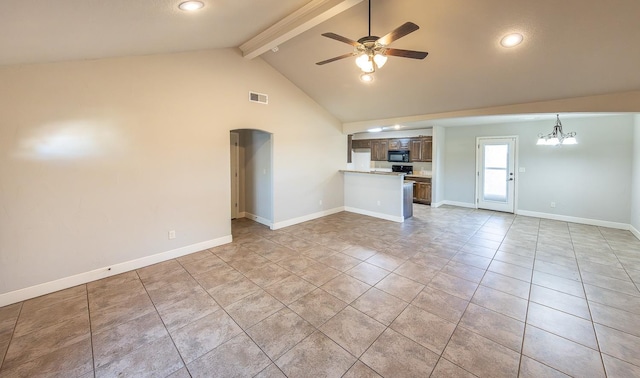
372, 51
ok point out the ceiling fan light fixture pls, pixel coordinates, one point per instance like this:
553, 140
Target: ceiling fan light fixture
379, 59
365, 63
191, 6
366, 77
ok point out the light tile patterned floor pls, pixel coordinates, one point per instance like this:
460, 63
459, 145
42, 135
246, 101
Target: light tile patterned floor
451, 292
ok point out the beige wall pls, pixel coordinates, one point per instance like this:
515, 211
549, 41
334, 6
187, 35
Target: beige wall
100, 159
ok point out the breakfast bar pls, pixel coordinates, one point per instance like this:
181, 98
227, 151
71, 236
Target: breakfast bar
384, 195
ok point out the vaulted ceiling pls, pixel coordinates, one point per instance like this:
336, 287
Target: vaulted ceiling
571, 48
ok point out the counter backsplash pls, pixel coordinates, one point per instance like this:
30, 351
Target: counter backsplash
418, 167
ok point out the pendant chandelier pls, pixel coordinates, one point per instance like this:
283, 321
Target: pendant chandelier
557, 137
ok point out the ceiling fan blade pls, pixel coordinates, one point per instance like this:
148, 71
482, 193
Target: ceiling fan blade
341, 39
399, 32
406, 53
334, 59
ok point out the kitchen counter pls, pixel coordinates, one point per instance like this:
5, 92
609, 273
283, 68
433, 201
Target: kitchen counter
374, 172
412, 176
376, 194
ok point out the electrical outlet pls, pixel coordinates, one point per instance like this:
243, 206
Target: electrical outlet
320, 202
172, 234
378, 203
521, 170
553, 204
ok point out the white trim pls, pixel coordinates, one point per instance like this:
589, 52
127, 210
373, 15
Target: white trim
459, 204
305, 218
634, 231
438, 204
258, 219
514, 200
374, 214
567, 218
242, 214
107, 271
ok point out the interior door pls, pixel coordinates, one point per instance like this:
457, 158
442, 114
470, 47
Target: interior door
496, 174
234, 174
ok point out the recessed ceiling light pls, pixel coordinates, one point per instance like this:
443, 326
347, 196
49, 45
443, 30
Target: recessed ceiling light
511, 40
191, 5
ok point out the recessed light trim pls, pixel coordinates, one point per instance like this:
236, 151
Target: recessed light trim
190, 6
511, 40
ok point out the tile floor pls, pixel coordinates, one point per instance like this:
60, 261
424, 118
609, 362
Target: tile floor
452, 292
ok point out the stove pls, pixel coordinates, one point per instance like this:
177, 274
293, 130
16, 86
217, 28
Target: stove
408, 169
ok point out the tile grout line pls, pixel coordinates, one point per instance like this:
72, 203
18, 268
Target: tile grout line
93, 353
593, 324
184, 364
526, 315
15, 325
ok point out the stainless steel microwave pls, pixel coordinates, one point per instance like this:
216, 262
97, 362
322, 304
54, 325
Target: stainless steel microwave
398, 156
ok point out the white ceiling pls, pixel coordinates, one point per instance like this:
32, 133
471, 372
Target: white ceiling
572, 48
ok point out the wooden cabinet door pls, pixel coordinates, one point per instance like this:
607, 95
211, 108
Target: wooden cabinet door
399, 144
422, 191
427, 193
379, 149
427, 149
383, 150
361, 143
415, 150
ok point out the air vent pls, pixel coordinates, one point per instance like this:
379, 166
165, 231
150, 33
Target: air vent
259, 98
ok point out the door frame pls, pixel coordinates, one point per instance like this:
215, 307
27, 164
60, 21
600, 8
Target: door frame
515, 168
234, 138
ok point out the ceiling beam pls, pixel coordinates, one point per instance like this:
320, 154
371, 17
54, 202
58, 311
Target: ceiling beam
310, 15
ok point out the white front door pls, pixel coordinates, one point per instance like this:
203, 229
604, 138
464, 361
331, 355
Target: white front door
496, 174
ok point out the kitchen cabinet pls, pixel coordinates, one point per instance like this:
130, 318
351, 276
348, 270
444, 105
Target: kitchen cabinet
422, 190
421, 149
379, 148
399, 144
361, 143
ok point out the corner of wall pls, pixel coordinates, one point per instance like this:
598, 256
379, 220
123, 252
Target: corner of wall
635, 179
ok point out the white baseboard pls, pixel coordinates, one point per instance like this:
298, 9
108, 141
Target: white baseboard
242, 214
305, 218
437, 204
469, 205
258, 219
374, 214
634, 231
82, 278
570, 219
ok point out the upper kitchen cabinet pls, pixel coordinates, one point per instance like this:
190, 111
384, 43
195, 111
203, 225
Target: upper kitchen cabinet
399, 144
361, 143
421, 149
379, 148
